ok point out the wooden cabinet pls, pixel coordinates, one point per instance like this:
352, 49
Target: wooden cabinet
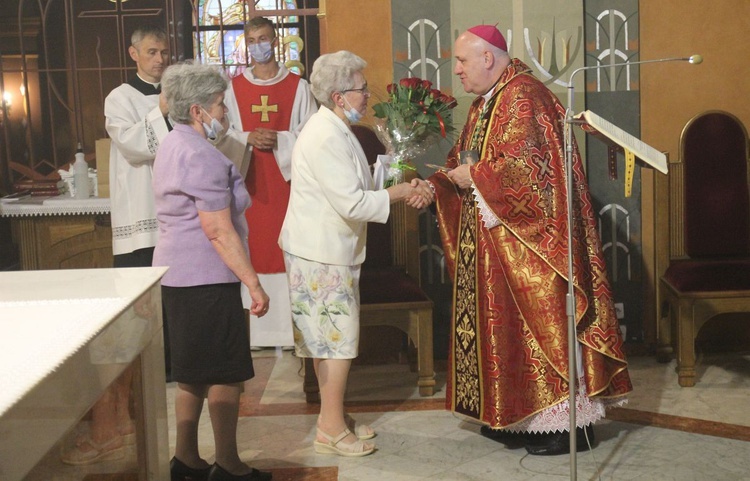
51, 237
64, 242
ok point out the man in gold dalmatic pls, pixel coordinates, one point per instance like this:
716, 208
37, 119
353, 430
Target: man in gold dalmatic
503, 223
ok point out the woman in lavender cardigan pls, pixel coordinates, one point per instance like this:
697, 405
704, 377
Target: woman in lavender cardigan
200, 203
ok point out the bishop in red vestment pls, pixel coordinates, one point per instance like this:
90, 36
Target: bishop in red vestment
503, 223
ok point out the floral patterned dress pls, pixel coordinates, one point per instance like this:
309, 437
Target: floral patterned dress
325, 308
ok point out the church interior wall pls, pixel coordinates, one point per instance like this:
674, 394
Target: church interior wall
670, 94
612, 35
363, 27
674, 93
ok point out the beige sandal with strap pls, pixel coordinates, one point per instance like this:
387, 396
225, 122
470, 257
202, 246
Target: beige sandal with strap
110, 450
335, 446
362, 431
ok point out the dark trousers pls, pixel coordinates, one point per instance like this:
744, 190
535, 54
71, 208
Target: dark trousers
144, 258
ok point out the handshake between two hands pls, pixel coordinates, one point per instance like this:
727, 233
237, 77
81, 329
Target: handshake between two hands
419, 193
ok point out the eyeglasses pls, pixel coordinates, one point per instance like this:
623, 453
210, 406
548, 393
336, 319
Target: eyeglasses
364, 90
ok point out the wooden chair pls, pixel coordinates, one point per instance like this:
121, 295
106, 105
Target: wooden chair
709, 230
390, 294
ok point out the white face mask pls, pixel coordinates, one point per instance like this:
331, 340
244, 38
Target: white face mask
352, 114
261, 52
214, 129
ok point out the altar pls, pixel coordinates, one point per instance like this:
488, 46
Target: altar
65, 336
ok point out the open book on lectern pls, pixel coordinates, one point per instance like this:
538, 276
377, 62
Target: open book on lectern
594, 124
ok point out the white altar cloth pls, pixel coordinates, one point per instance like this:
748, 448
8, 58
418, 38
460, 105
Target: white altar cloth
38, 336
58, 205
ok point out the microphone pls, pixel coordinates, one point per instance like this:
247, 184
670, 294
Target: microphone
570, 299
693, 59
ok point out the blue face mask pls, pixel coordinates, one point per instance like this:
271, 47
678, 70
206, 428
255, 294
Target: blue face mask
261, 52
214, 129
352, 114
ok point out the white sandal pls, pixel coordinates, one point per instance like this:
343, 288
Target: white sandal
362, 431
110, 450
335, 446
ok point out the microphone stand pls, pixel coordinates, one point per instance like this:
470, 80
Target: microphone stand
570, 300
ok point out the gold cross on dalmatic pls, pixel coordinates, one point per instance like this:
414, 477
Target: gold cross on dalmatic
264, 108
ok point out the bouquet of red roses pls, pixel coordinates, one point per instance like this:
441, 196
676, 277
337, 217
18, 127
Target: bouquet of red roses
413, 116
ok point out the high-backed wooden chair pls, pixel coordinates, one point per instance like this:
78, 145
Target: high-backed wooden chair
709, 270
390, 294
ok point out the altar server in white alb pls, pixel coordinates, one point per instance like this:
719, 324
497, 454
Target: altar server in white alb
136, 121
270, 105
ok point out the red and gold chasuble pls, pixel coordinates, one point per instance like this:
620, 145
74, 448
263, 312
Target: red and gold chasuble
508, 349
270, 107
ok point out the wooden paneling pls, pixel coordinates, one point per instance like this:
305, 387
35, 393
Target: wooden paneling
673, 93
364, 28
64, 242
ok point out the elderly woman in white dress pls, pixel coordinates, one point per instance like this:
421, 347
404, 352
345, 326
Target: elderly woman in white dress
323, 237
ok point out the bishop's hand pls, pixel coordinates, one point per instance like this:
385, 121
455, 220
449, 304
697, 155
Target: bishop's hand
461, 176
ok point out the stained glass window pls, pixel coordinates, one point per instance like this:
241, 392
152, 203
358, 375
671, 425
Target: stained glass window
219, 35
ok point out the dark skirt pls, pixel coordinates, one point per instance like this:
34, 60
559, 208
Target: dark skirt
208, 334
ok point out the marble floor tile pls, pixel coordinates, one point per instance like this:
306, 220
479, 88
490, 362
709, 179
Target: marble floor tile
660, 435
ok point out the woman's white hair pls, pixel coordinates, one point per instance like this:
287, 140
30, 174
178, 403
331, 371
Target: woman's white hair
186, 83
334, 72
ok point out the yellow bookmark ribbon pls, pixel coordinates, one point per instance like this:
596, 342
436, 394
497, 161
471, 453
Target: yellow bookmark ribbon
629, 171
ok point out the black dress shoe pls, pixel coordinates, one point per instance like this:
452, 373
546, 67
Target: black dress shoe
220, 474
509, 438
179, 471
553, 444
